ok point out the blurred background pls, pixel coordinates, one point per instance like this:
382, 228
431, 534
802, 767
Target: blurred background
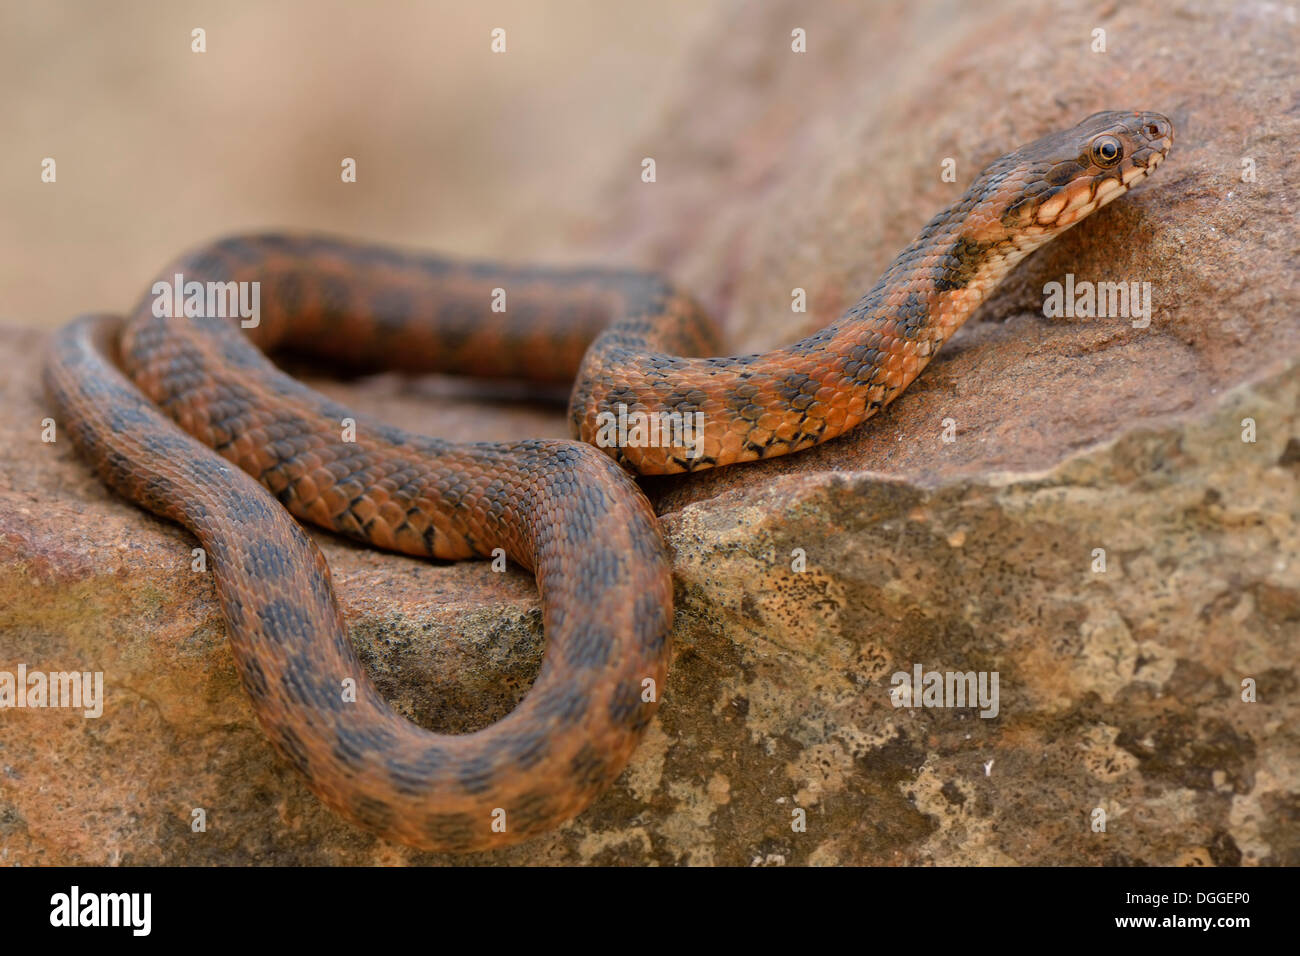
159, 148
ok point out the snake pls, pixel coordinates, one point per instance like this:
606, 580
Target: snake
183, 412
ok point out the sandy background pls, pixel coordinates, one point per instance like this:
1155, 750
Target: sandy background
458, 149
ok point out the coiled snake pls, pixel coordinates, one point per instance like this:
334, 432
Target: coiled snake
566, 510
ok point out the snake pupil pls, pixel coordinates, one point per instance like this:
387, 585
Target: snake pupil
1106, 151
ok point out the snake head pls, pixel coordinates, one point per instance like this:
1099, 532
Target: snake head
1050, 184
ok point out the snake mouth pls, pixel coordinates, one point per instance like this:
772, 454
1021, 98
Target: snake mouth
1143, 168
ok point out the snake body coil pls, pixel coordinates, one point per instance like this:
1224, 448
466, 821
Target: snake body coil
563, 509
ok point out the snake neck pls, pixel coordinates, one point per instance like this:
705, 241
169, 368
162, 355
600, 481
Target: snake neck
943, 276
762, 406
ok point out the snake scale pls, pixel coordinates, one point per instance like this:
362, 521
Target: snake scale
188, 418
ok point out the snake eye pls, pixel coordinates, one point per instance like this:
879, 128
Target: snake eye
1106, 150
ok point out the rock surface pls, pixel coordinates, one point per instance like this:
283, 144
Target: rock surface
1119, 689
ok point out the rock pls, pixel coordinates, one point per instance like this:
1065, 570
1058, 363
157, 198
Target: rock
1119, 690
